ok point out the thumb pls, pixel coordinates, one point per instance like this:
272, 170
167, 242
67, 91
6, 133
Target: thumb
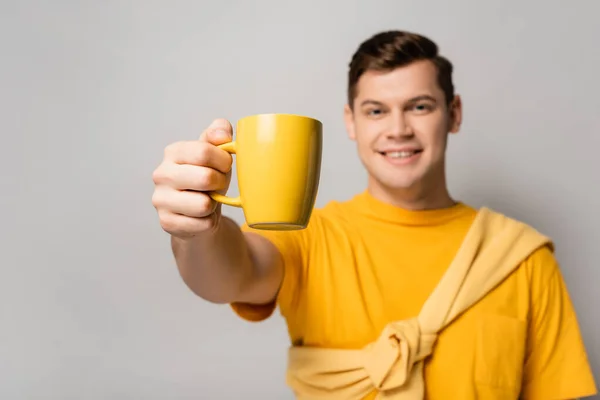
218, 132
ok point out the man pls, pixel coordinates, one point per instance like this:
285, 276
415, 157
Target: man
352, 284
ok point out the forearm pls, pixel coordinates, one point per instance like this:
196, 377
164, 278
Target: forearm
215, 264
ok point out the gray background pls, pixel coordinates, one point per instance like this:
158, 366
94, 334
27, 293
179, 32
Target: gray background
91, 304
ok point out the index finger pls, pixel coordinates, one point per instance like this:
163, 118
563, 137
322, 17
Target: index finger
218, 132
199, 154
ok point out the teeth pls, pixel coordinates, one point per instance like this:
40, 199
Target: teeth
400, 154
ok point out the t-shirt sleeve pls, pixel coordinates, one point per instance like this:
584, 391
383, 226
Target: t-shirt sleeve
556, 365
293, 247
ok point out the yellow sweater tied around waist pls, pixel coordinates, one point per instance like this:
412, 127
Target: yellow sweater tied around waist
492, 249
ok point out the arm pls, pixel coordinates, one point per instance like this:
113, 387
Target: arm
215, 259
226, 265
556, 364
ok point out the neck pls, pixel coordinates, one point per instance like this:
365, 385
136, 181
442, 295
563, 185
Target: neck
414, 198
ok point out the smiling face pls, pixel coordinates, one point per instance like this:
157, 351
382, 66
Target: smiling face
400, 121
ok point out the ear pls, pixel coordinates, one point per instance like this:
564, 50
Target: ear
455, 114
349, 121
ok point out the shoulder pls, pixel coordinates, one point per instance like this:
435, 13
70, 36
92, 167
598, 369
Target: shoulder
500, 221
540, 265
541, 268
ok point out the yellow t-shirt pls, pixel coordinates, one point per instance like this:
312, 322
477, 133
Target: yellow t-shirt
362, 263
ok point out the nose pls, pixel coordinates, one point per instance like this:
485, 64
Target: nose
399, 126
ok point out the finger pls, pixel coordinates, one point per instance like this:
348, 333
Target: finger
218, 132
189, 203
191, 177
199, 154
181, 225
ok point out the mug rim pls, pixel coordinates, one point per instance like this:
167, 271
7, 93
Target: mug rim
281, 114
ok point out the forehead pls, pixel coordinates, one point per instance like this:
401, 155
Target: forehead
402, 83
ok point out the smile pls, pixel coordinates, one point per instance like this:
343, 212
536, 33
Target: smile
400, 154
401, 157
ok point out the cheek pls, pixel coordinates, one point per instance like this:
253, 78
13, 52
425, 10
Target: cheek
361, 134
362, 144
367, 131
431, 133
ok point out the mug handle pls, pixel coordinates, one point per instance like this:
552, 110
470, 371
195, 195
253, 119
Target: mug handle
230, 201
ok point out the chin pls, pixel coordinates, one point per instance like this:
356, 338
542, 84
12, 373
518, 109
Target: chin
401, 187
392, 184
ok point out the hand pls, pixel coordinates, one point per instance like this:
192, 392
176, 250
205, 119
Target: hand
188, 171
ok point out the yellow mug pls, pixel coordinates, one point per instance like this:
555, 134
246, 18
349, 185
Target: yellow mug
278, 165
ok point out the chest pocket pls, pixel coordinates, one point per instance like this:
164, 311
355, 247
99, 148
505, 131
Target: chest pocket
499, 356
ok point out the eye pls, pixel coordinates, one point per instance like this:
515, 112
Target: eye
422, 108
374, 112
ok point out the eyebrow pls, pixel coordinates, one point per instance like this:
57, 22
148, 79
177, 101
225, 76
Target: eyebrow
411, 100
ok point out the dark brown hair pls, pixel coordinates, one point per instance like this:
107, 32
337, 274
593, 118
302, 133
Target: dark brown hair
388, 50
